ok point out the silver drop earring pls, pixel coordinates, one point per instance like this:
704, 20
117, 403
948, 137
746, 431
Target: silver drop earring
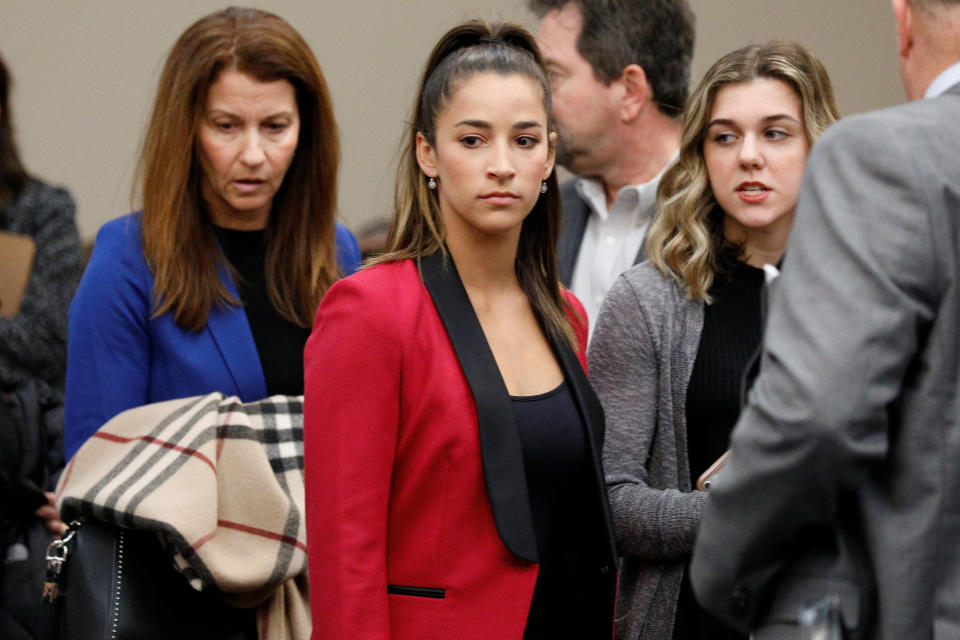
543, 186
431, 183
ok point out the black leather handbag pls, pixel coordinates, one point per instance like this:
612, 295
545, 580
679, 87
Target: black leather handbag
109, 583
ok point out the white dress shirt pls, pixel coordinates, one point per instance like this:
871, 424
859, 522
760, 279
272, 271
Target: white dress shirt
611, 238
947, 78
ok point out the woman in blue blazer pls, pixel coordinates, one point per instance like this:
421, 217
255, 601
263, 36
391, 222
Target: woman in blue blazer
213, 286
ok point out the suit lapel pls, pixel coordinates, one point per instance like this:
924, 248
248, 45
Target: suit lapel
499, 442
651, 213
575, 212
230, 330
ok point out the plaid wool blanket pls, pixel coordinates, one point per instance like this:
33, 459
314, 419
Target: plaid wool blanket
221, 482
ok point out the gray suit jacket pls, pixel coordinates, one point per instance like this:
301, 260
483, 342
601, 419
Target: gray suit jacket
573, 222
844, 475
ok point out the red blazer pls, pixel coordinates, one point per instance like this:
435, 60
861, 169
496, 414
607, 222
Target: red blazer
402, 442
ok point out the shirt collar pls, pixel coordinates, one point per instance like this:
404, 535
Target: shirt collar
593, 191
947, 78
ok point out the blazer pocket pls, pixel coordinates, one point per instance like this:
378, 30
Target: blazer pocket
418, 592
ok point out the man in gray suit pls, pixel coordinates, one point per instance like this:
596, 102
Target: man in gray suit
619, 71
843, 482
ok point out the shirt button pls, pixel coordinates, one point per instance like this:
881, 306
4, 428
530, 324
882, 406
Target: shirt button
611, 240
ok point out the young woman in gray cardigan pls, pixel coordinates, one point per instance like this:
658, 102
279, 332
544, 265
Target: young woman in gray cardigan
676, 332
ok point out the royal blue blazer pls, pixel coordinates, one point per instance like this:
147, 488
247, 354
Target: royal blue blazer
118, 357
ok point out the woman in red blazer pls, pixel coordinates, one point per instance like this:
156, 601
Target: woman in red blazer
452, 440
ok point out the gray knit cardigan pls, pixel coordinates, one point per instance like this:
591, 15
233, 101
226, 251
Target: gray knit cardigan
640, 357
34, 342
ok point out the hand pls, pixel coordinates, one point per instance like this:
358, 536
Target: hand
51, 519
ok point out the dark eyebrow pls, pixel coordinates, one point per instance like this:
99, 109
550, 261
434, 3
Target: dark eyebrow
230, 114
483, 124
780, 116
773, 118
479, 124
721, 121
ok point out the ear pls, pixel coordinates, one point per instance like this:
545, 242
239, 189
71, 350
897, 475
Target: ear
552, 158
636, 91
903, 11
426, 156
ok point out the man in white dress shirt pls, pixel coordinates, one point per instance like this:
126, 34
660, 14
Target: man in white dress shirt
619, 71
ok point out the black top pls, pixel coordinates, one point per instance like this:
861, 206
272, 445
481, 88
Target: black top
731, 334
279, 342
556, 463
732, 330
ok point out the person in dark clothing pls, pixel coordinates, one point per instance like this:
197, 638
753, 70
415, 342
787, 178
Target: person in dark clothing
676, 333
33, 337
33, 334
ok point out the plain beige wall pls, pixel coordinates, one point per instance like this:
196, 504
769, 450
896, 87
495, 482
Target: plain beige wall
85, 74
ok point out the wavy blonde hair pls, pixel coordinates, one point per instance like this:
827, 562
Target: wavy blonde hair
686, 240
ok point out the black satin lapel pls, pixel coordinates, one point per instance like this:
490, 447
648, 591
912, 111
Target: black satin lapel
499, 441
592, 413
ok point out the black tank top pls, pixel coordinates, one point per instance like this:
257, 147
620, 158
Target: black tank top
556, 461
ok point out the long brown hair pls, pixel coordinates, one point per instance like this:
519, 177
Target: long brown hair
178, 239
13, 176
686, 239
418, 230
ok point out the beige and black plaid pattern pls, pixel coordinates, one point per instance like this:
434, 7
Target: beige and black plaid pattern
221, 482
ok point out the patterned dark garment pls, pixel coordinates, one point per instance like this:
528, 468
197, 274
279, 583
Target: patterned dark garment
34, 342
